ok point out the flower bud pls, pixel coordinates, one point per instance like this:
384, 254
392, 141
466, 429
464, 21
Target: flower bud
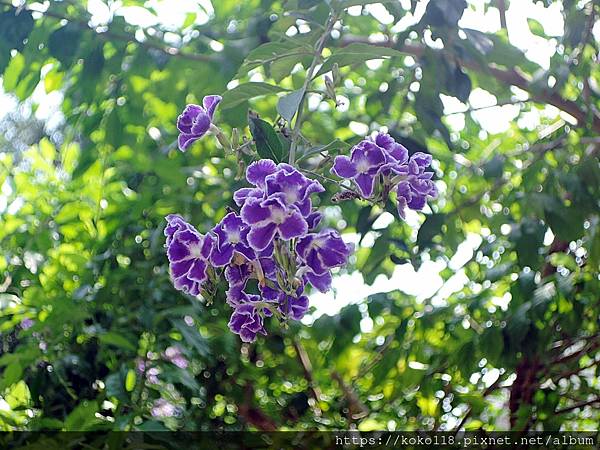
235, 138
330, 88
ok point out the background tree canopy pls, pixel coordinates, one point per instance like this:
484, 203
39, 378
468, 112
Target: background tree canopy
89, 322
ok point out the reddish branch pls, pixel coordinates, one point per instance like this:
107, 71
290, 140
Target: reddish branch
509, 77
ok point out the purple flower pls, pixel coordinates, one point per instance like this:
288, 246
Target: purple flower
163, 408
174, 355
195, 121
27, 323
385, 159
323, 251
292, 188
363, 166
188, 252
270, 218
321, 282
416, 185
247, 319
396, 152
232, 236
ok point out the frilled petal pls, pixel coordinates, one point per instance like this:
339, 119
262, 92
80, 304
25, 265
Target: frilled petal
402, 207
201, 124
422, 159
417, 202
368, 157
181, 268
259, 170
186, 119
365, 183
210, 103
260, 237
198, 271
294, 307
343, 167
293, 226
320, 282
313, 219
177, 251
185, 140
241, 195
222, 255
254, 212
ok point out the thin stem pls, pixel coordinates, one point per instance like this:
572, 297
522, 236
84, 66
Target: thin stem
309, 78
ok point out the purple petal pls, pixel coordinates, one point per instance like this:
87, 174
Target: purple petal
293, 226
201, 124
181, 268
313, 219
241, 195
422, 159
185, 140
365, 184
417, 202
210, 103
254, 212
320, 282
259, 170
177, 251
343, 167
221, 256
402, 207
260, 237
198, 271
187, 117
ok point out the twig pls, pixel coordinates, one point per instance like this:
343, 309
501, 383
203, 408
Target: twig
307, 368
309, 78
577, 405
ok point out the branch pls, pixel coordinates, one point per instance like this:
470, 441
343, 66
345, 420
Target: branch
356, 408
509, 77
577, 405
491, 388
307, 368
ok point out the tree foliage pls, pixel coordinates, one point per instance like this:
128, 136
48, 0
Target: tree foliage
87, 310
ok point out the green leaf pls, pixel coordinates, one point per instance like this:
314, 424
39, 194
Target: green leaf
83, 417
14, 29
116, 339
430, 228
287, 105
268, 144
528, 238
63, 44
246, 91
494, 167
190, 18
536, 28
192, 336
13, 72
271, 52
335, 144
11, 374
357, 53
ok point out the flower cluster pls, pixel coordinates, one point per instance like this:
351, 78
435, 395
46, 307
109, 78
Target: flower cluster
267, 253
195, 121
376, 166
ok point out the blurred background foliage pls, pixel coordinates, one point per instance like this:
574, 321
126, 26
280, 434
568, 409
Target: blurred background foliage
87, 312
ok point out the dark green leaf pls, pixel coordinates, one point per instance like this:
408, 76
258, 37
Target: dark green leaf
268, 144
246, 91
287, 105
